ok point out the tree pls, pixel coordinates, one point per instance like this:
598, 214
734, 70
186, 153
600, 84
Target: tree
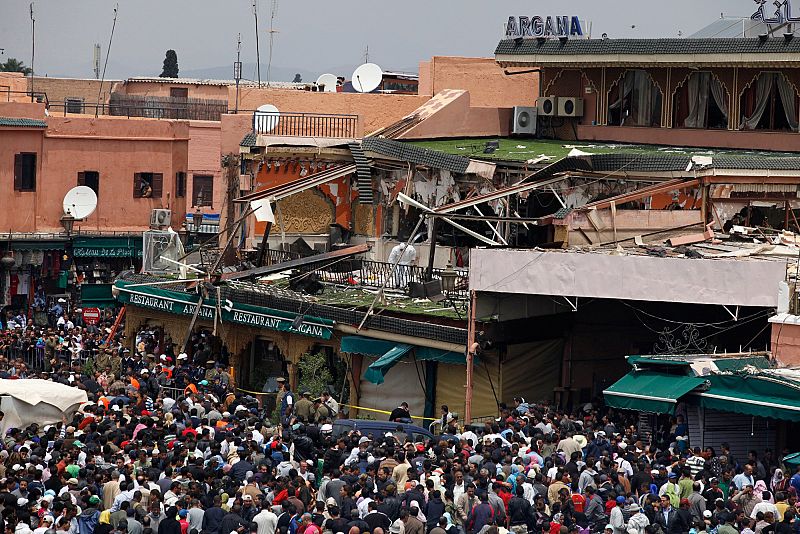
298, 78
170, 65
314, 373
14, 65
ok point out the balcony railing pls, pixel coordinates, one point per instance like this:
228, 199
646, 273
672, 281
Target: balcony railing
305, 125
376, 274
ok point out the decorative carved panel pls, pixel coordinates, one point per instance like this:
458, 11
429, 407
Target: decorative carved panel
364, 215
304, 213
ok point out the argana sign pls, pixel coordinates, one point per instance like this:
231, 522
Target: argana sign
782, 14
562, 26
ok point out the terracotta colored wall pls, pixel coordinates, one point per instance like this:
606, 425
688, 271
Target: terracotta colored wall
482, 77
116, 148
785, 343
210, 92
459, 119
58, 89
204, 158
374, 110
782, 141
232, 129
11, 85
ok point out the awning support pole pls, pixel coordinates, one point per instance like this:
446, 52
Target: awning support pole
470, 358
573, 305
732, 314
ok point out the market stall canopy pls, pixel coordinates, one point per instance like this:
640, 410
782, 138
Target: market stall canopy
37, 401
390, 353
650, 391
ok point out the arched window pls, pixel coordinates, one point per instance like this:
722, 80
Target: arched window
770, 103
701, 102
634, 100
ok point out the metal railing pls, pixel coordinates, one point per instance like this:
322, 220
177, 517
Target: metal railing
34, 357
275, 256
305, 125
376, 274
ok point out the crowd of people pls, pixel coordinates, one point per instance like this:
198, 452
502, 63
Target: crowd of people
197, 457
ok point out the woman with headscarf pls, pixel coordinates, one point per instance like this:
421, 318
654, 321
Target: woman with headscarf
761, 490
779, 482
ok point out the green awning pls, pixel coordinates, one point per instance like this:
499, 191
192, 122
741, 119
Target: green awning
755, 395
678, 361
391, 352
377, 371
107, 247
650, 391
38, 245
98, 303
96, 292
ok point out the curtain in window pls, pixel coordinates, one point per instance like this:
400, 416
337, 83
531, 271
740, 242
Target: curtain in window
698, 100
625, 88
788, 99
645, 98
720, 99
763, 92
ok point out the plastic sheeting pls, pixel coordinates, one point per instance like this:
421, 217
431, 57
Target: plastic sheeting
405, 382
32, 400
532, 370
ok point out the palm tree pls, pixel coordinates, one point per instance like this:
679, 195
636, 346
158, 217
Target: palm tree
14, 65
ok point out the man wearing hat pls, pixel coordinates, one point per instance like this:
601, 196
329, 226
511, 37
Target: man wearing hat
304, 408
638, 522
617, 518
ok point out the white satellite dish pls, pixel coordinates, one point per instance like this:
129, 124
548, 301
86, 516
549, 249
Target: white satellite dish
328, 82
80, 202
367, 78
267, 117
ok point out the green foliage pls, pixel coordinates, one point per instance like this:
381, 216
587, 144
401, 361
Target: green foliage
314, 373
14, 65
170, 69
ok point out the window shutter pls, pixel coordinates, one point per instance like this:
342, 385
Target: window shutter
17, 172
81, 178
136, 190
158, 184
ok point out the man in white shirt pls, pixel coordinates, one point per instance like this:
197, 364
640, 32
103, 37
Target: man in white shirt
266, 521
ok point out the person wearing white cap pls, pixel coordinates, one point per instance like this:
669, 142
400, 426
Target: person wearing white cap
638, 522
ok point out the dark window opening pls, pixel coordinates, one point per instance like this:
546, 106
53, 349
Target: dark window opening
634, 100
180, 184
25, 171
701, 103
147, 185
90, 179
770, 103
73, 104
179, 92
202, 190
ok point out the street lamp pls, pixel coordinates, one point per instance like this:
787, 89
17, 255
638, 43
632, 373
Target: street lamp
68, 221
449, 277
197, 221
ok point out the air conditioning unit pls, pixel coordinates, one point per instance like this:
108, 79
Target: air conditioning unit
524, 120
547, 106
160, 218
570, 107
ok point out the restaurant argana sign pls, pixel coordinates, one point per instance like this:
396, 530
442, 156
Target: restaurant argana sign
182, 304
560, 26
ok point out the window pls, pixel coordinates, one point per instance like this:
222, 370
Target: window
25, 171
179, 92
90, 179
147, 185
770, 103
202, 190
180, 184
701, 102
635, 100
73, 104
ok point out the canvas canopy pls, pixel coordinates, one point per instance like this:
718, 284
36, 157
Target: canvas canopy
37, 401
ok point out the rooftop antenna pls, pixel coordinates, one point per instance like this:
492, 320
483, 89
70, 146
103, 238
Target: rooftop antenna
272, 31
33, 48
108, 53
237, 69
366, 55
258, 52
98, 54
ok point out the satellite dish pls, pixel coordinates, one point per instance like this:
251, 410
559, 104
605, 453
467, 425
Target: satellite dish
267, 117
367, 78
328, 82
80, 202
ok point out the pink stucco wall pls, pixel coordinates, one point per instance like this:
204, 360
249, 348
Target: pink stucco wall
115, 147
204, 159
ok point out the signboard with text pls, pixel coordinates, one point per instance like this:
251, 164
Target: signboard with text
536, 26
91, 316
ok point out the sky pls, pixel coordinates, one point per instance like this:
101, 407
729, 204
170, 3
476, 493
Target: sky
314, 36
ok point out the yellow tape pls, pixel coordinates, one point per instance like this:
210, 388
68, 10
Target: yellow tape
349, 406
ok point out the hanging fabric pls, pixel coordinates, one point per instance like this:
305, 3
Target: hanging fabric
698, 88
645, 96
788, 99
720, 99
763, 92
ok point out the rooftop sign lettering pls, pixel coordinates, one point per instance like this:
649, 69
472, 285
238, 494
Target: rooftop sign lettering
782, 14
560, 26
